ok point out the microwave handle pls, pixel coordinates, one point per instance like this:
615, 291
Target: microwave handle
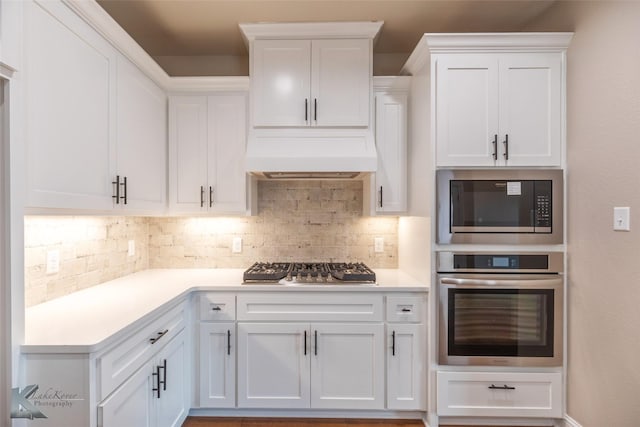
500, 282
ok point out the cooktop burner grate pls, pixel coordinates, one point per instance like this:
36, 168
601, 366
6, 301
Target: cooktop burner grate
309, 272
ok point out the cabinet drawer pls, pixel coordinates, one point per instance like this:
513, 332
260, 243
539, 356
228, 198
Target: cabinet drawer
310, 306
406, 309
500, 394
119, 363
217, 306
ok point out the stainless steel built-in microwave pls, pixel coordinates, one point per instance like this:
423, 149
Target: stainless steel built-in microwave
499, 206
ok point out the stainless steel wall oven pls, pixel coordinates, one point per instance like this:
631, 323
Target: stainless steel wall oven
499, 206
500, 309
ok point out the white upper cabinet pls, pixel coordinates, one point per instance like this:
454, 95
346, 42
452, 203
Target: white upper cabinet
311, 82
499, 99
207, 139
340, 82
391, 145
70, 110
281, 82
141, 139
93, 120
312, 74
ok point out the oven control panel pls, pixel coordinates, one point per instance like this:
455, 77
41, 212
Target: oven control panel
468, 262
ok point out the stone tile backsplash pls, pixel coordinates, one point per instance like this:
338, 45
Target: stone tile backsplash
92, 250
297, 220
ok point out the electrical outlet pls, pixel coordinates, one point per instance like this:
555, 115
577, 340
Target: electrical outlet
378, 244
621, 218
131, 251
53, 261
236, 248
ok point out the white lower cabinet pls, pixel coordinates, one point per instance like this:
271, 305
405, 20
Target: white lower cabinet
155, 396
217, 377
317, 365
496, 394
406, 367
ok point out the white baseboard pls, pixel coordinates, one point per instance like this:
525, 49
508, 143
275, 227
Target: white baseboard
570, 422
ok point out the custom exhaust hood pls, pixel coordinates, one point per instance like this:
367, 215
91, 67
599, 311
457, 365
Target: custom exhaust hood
327, 154
311, 99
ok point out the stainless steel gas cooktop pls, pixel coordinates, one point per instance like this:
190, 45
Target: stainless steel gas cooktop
315, 273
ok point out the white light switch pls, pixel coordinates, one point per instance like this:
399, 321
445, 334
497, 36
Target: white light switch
236, 248
131, 248
621, 218
53, 261
378, 244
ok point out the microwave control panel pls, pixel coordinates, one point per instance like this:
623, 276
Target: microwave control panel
543, 210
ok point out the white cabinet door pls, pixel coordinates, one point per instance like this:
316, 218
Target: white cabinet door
273, 369
348, 366
187, 153
391, 145
141, 139
217, 365
173, 402
341, 82
466, 110
281, 82
70, 110
207, 140
132, 403
406, 367
226, 153
531, 109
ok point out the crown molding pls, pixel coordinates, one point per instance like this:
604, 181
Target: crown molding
200, 84
6, 71
306, 30
497, 42
94, 15
391, 82
418, 58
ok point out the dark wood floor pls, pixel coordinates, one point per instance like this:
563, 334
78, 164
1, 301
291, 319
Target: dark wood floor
296, 422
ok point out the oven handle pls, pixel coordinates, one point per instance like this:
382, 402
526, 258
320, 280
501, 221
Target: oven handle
501, 282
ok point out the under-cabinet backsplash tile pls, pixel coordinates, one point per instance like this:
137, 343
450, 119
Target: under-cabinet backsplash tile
296, 221
92, 250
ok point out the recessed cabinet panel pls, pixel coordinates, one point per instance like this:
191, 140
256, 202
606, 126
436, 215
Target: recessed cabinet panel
226, 153
131, 404
70, 111
217, 365
406, 367
348, 366
391, 145
530, 112
273, 369
281, 82
141, 138
467, 110
187, 151
340, 82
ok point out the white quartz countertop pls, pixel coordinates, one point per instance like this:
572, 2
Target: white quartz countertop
89, 320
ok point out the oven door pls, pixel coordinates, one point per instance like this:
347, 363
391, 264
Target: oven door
500, 320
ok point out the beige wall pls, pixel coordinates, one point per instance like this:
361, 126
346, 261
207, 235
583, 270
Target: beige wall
297, 221
603, 107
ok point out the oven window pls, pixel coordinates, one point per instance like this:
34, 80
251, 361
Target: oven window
501, 322
488, 204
